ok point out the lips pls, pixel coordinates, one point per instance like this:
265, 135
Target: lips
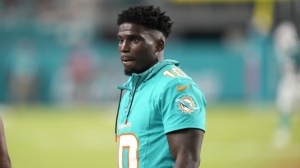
127, 60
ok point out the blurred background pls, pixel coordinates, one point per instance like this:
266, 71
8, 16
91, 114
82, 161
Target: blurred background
59, 68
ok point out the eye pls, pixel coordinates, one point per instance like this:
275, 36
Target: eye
135, 40
120, 40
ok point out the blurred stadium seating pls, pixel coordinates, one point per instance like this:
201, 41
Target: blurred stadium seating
225, 45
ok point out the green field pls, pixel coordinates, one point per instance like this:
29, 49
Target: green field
236, 137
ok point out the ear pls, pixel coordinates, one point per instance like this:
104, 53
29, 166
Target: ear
160, 45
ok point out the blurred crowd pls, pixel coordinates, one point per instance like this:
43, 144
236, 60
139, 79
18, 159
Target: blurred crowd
56, 51
38, 33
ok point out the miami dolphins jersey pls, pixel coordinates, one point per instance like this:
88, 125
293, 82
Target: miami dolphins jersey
158, 101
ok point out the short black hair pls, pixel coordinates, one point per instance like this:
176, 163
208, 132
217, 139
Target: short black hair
147, 16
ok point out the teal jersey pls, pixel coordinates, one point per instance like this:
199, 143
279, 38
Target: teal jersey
160, 100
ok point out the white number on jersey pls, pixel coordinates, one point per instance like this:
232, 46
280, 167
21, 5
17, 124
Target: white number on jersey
129, 142
174, 72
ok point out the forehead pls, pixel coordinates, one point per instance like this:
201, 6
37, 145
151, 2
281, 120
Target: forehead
131, 28
135, 29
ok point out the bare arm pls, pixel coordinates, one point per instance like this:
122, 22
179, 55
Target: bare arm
185, 146
4, 157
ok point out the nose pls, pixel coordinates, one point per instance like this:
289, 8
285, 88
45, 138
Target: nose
124, 47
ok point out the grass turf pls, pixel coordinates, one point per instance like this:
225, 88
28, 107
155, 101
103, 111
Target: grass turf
237, 136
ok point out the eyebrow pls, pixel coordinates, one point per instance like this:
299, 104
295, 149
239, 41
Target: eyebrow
129, 35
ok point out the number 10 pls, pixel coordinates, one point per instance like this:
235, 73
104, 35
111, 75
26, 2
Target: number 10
174, 72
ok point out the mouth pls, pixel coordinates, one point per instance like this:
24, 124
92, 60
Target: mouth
127, 59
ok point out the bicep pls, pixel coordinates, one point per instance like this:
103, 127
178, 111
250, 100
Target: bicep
185, 143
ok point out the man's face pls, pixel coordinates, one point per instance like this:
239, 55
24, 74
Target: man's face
137, 47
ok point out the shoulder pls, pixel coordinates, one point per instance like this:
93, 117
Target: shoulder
172, 73
173, 76
174, 79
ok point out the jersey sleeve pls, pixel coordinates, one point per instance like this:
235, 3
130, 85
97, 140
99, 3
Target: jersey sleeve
182, 105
